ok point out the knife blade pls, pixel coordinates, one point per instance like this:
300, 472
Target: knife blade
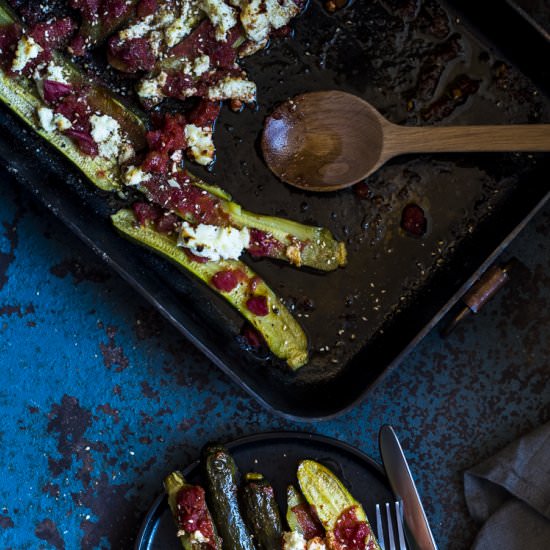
401, 481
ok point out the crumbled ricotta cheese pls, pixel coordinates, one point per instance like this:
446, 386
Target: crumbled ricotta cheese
106, 133
51, 121
222, 16
200, 143
134, 176
126, 153
258, 17
197, 536
151, 88
55, 72
183, 24
280, 13
293, 541
103, 126
167, 26
255, 20
213, 242
139, 30
316, 544
155, 41
61, 122
250, 47
201, 64
45, 116
27, 50
194, 68
231, 87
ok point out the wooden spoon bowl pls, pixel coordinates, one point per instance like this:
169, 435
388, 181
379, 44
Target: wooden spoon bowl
324, 141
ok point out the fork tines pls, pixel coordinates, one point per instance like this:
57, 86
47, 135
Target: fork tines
390, 522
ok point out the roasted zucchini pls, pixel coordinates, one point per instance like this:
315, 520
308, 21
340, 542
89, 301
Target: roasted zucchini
300, 244
282, 333
221, 486
300, 516
20, 94
343, 518
196, 529
261, 512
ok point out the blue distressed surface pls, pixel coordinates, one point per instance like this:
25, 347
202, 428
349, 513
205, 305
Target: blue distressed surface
101, 397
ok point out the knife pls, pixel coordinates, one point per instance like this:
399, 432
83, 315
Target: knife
399, 475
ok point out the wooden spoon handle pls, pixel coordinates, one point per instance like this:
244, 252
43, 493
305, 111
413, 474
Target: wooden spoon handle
438, 139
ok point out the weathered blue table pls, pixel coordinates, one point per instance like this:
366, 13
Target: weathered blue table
101, 397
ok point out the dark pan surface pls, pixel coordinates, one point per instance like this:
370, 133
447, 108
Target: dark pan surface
418, 63
276, 455
537, 13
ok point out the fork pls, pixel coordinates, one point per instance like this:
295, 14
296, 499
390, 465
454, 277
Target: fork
392, 539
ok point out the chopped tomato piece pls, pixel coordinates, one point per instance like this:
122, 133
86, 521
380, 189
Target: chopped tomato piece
413, 220
205, 113
227, 279
53, 34
55, 91
258, 305
134, 55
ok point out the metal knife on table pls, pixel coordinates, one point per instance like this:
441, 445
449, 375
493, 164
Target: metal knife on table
419, 534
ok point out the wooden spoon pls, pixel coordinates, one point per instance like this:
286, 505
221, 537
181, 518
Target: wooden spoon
323, 141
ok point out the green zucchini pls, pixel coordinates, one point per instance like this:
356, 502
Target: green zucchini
293, 498
303, 245
221, 486
318, 248
327, 495
300, 516
21, 96
173, 485
283, 335
95, 32
261, 512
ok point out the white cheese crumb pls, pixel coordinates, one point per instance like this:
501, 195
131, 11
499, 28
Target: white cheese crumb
223, 17
103, 126
197, 536
213, 242
134, 176
316, 544
126, 153
55, 72
293, 541
106, 133
258, 17
51, 121
61, 122
183, 24
155, 41
139, 30
45, 116
27, 50
280, 13
201, 65
151, 88
233, 88
200, 143
255, 20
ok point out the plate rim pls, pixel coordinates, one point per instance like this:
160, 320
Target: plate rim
142, 544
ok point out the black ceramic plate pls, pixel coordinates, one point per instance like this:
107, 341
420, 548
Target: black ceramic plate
276, 455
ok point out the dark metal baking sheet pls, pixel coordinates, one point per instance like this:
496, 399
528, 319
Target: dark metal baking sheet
415, 61
276, 456
536, 12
